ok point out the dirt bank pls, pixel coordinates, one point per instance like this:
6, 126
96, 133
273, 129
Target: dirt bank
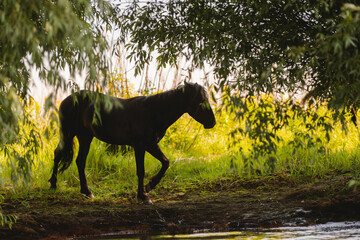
232, 205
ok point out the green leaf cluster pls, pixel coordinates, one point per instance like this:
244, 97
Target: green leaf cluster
263, 119
48, 37
255, 46
335, 60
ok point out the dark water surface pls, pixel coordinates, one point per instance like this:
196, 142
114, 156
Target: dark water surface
331, 230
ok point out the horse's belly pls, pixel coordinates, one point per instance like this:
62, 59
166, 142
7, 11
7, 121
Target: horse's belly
121, 127
120, 133
113, 135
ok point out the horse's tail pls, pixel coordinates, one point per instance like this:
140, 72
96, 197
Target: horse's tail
70, 120
64, 151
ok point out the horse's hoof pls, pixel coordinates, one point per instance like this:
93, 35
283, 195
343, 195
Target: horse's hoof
145, 199
52, 184
88, 194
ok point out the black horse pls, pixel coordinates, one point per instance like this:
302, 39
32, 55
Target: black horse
140, 122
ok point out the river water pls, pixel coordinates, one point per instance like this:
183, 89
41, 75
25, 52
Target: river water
332, 230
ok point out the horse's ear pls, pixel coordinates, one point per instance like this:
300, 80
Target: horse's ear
182, 87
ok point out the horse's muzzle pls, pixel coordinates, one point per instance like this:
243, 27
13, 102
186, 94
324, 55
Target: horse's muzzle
209, 125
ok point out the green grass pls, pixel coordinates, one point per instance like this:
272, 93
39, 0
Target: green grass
199, 158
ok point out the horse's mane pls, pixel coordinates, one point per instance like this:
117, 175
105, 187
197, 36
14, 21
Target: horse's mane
168, 95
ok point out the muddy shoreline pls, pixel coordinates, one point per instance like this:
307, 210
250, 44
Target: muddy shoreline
235, 206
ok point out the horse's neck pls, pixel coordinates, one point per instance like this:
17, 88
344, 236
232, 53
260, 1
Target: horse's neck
171, 107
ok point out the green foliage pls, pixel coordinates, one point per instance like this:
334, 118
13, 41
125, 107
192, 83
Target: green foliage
19, 155
201, 157
335, 60
9, 111
264, 118
255, 46
8, 220
49, 37
119, 86
260, 47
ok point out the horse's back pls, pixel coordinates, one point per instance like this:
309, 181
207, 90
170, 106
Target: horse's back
116, 120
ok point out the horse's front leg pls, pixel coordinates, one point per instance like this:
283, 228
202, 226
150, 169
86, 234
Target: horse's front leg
84, 146
156, 152
140, 171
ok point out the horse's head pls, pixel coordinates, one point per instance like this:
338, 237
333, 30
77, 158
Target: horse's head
199, 107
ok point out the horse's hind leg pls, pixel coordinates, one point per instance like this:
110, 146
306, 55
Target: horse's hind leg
140, 171
156, 152
84, 146
57, 157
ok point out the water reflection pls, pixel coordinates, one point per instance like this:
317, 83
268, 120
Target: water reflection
338, 230
343, 230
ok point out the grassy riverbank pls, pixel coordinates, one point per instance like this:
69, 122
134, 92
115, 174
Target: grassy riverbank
197, 156
201, 161
225, 205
